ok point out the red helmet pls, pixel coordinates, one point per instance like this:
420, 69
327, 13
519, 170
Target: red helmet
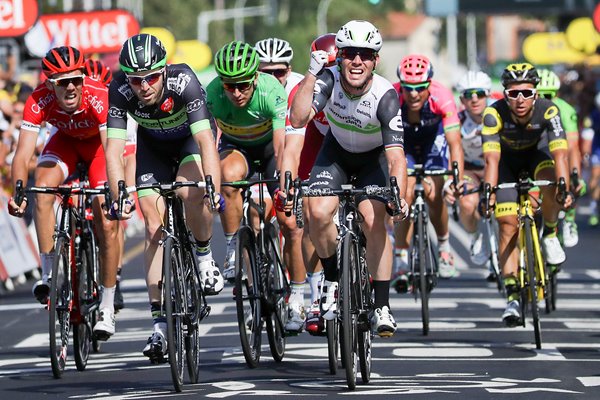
415, 68
326, 43
96, 70
62, 59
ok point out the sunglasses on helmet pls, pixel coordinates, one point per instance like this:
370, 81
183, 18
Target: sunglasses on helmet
76, 80
349, 53
150, 79
514, 94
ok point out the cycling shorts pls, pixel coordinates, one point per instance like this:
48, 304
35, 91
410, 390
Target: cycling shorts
432, 155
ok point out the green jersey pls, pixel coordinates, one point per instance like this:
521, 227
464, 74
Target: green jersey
253, 124
568, 116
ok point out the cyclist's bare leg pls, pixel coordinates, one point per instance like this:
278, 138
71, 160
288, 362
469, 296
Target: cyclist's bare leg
403, 229
469, 216
46, 174
379, 246
233, 167
309, 253
108, 242
323, 231
507, 245
438, 210
292, 249
550, 207
198, 215
153, 210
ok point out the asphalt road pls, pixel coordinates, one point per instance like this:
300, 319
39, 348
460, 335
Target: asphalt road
468, 353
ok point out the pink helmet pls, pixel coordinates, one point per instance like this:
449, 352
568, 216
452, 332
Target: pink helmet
415, 68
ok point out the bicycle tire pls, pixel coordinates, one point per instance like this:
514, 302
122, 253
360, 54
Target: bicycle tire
333, 344
532, 283
494, 260
193, 298
365, 336
247, 296
277, 293
95, 315
60, 299
554, 286
173, 301
423, 251
348, 322
82, 331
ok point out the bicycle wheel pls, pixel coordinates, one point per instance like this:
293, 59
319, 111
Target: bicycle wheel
277, 293
60, 303
532, 283
494, 260
333, 344
82, 331
247, 296
423, 250
194, 300
95, 314
173, 299
365, 335
346, 301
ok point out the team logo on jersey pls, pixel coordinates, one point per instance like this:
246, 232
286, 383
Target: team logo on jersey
395, 124
279, 100
366, 103
167, 105
115, 112
146, 177
126, 91
96, 103
42, 103
551, 112
193, 105
178, 83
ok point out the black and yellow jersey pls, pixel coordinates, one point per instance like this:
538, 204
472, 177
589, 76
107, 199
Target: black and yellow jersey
544, 129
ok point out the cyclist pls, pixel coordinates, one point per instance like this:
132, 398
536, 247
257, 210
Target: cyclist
175, 141
431, 128
250, 109
275, 57
523, 132
309, 140
76, 106
548, 88
474, 88
365, 139
99, 72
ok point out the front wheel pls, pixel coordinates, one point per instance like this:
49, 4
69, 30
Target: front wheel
348, 260
532, 284
174, 310
60, 304
82, 331
424, 268
247, 296
194, 300
333, 345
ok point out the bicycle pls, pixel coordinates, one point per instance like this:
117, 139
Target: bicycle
260, 285
532, 273
355, 292
489, 234
423, 259
74, 294
183, 301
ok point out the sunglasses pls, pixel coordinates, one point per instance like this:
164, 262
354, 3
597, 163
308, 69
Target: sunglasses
514, 94
350, 53
66, 81
277, 73
241, 86
150, 79
478, 93
420, 87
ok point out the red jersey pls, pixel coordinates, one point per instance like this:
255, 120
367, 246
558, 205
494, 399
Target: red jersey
86, 122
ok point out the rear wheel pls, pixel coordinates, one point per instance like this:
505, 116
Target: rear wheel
277, 287
423, 250
173, 299
193, 296
247, 297
60, 300
82, 332
365, 335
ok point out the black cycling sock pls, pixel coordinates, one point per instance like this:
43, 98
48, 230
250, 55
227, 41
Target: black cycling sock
157, 316
203, 247
382, 293
330, 270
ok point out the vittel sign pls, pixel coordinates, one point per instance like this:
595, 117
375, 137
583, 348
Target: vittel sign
90, 32
17, 16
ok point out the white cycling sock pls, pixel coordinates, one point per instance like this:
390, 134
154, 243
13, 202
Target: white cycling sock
297, 292
47, 259
108, 297
315, 280
444, 243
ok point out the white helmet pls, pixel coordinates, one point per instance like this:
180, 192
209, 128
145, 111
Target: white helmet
274, 50
360, 34
474, 80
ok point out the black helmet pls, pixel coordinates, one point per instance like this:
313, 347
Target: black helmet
520, 73
142, 52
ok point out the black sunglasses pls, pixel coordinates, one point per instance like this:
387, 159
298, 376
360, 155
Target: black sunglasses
350, 53
479, 93
241, 86
65, 82
277, 73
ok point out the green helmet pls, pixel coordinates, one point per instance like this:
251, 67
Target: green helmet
142, 52
549, 82
236, 60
